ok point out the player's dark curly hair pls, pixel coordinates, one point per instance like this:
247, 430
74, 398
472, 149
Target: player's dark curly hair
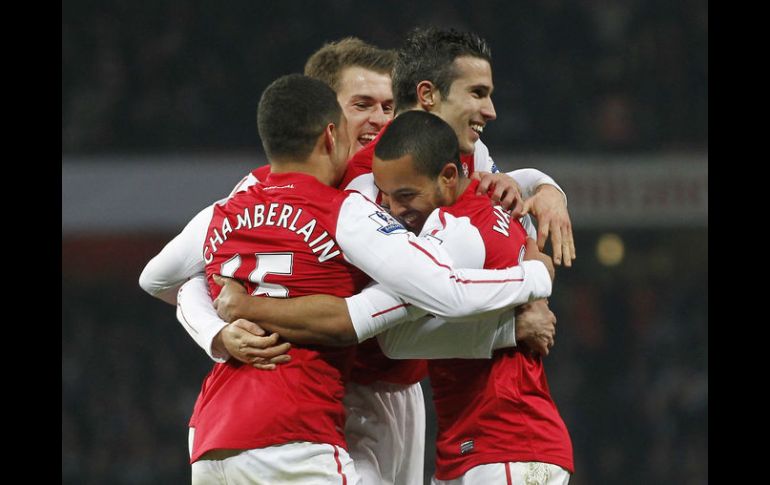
293, 112
430, 141
427, 54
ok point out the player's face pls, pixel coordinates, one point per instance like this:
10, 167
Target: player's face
366, 98
410, 196
468, 106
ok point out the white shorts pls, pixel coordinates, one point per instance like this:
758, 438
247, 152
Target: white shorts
291, 463
385, 431
511, 473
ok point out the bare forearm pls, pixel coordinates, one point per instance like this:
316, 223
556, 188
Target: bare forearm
315, 319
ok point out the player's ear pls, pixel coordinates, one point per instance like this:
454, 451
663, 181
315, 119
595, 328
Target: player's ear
330, 137
427, 95
449, 174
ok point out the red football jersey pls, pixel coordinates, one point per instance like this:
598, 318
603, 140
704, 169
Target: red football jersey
371, 365
278, 237
496, 410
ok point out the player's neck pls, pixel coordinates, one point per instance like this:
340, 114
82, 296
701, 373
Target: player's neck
311, 166
462, 184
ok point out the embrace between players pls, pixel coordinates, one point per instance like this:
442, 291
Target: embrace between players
444, 272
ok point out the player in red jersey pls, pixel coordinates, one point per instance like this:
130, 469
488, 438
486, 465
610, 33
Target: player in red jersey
376, 105
385, 450
286, 237
249, 424
497, 420
449, 74
385, 425
388, 450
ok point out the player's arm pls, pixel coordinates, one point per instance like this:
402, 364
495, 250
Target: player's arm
178, 261
542, 197
243, 340
547, 202
165, 274
421, 273
535, 326
408, 332
439, 338
313, 319
325, 319
182, 259
531, 325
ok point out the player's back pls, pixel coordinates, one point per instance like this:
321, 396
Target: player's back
277, 238
499, 409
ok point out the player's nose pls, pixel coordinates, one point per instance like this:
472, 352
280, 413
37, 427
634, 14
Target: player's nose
378, 117
488, 110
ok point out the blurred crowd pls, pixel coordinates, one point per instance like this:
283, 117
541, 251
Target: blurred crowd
570, 75
629, 372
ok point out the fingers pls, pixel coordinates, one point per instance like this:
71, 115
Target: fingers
249, 326
539, 346
526, 207
251, 341
218, 279
484, 184
543, 229
567, 252
266, 353
556, 244
281, 359
517, 209
562, 242
265, 363
509, 199
569, 243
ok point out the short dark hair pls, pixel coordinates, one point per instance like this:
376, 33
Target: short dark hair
427, 54
430, 141
293, 111
327, 63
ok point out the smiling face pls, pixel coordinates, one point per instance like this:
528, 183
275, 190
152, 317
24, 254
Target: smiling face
411, 196
467, 107
366, 98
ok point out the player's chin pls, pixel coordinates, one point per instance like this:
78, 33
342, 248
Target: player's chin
468, 145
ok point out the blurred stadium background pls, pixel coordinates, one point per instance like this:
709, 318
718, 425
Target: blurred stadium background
609, 97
